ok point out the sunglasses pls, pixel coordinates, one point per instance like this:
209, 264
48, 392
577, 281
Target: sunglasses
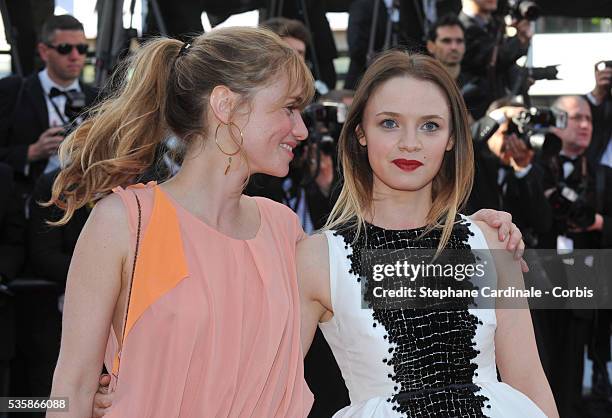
65, 49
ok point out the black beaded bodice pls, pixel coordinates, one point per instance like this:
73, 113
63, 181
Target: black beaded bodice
431, 350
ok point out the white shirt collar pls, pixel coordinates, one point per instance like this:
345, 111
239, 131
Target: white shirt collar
47, 84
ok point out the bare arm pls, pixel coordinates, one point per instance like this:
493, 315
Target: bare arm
516, 352
93, 287
313, 279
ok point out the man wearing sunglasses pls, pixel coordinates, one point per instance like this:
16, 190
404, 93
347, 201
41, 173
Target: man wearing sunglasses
33, 115
33, 110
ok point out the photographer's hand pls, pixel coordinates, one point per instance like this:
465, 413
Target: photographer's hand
524, 31
598, 224
603, 82
520, 154
326, 174
47, 144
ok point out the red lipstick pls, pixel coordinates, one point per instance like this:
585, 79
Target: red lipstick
407, 165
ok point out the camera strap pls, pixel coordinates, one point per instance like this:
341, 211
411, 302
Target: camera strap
56, 108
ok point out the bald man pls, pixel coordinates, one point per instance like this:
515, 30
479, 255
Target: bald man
562, 334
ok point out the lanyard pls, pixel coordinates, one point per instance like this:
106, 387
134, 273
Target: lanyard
57, 111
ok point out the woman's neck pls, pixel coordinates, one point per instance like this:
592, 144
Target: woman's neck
396, 209
202, 187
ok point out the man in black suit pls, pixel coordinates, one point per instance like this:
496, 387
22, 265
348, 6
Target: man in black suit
410, 23
506, 178
489, 55
563, 333
599, 152
12, 254
34, 111
599, 155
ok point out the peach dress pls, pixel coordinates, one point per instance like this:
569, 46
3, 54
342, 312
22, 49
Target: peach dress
213, 328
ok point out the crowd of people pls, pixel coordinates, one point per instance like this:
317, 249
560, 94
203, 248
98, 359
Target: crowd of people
103, 190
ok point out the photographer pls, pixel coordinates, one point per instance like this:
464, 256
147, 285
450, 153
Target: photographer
36, 112
396, 23
446, 43
599, 155
569, 187
505, 177
599, 152
490, 56
577, 220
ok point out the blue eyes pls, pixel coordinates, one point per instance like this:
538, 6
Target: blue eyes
431, 126
427, 127
389, 124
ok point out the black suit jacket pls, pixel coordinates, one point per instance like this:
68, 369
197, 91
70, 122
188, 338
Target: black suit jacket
524, 197
11, 257
12, 226
552, 169
602, 134
23, 117
410, 30
50, 247
479, 48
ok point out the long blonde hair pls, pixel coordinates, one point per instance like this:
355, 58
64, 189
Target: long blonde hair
164, 89
451, 185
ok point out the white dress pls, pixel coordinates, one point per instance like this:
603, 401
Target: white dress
411, 362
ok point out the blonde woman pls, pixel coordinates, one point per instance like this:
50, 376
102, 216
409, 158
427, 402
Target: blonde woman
407, 164
187, 291
213, 322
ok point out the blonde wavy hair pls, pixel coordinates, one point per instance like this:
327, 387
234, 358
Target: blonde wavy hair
451, 185
160, 91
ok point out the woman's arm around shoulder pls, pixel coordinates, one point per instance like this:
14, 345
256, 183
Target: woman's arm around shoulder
92, 289
516, 352
313, 280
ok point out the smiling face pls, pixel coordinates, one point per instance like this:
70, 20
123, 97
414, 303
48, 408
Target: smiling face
406, 129
272, 129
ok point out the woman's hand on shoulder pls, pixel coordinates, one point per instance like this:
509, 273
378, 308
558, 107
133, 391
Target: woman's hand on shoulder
502, 223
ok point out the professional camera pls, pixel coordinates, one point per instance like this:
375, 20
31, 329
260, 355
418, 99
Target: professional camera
532, 126
602, 65
324, 122
75, 104
571, 206
543, 73
523, 9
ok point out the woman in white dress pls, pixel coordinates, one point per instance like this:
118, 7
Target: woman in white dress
407, 163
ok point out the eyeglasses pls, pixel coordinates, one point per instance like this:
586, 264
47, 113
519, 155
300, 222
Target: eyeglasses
579, 118
65, 49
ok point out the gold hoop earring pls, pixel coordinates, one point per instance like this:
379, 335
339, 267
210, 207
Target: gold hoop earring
239, 145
